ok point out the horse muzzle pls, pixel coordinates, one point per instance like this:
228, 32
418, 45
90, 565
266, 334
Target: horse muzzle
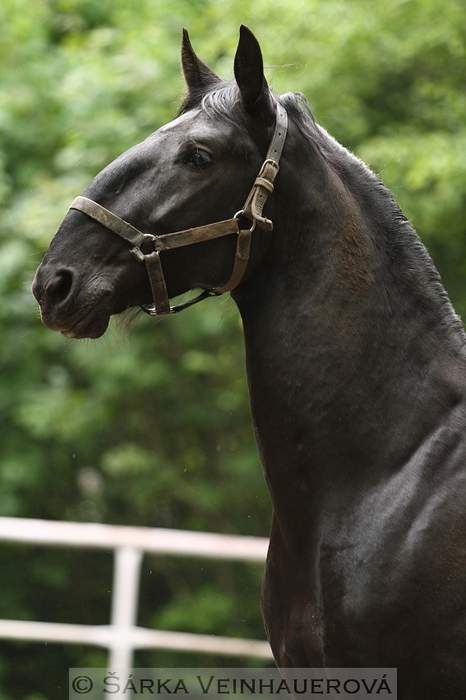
63, 305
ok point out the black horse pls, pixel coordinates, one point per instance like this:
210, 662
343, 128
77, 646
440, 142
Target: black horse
356, 364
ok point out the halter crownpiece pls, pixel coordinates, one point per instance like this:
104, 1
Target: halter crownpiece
252, 212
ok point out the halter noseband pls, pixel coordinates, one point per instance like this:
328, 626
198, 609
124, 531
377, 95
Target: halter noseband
251, 212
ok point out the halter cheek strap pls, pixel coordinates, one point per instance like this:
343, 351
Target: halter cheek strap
252, 212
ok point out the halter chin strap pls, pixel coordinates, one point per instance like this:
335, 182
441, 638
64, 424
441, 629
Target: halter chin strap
252, 212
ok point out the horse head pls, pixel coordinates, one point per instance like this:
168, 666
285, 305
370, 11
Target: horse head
194, 170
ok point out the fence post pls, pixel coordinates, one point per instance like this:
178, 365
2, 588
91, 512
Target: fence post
126, 575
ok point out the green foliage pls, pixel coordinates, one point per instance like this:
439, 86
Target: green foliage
150, 425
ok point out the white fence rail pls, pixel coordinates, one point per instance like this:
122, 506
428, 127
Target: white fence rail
129, 544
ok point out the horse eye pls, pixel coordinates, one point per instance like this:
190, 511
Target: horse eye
199, 158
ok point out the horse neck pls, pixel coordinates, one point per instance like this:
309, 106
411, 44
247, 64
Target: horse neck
354, 354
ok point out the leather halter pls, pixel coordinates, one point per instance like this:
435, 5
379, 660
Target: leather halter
252, 212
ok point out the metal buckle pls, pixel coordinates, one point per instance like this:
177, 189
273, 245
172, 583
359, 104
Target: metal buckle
272, 162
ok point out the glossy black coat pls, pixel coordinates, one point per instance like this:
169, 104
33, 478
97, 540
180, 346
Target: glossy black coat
356, 365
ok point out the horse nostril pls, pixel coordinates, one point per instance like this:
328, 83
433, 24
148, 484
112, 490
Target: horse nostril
37, 288
59, 286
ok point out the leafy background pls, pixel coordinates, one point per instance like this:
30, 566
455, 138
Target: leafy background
150, 425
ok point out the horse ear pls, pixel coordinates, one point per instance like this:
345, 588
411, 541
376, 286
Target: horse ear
198, 76
249, 74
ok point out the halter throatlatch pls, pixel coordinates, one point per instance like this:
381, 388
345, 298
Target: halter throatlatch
251, 212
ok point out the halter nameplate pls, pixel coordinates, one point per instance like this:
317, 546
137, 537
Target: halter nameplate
252, 212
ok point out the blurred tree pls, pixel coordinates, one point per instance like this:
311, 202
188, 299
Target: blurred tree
151, 425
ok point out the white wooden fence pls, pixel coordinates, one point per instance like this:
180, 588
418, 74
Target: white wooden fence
121, 637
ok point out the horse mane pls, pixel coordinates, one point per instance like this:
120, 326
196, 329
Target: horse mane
403, 245
379, 205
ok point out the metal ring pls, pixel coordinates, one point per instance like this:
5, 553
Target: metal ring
136, 250
248, 218
150, 237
